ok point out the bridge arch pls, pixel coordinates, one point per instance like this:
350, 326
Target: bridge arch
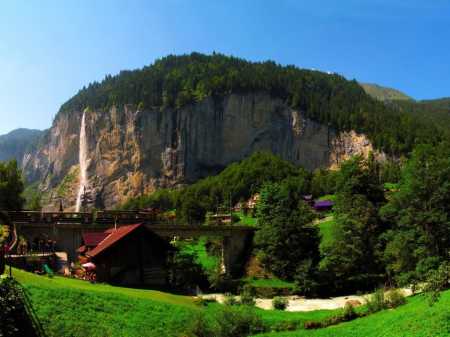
40, 242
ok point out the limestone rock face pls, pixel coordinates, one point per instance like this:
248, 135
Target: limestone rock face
134, 151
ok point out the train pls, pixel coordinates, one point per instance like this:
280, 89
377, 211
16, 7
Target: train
147, 215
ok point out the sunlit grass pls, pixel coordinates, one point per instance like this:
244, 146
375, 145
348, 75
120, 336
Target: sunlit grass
245, 220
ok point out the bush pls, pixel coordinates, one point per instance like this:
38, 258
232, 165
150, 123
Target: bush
395, 297
380, 300
375, 301
227, 321
280, 303
247, 299
229, 299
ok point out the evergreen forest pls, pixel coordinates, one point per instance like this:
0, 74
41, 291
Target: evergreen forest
176, 81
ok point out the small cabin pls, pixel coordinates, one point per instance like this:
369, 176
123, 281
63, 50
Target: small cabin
323, 206
132, 255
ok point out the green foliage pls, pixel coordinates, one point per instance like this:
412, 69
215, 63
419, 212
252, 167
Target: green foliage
436, 282
280, 303
186, 270
419, 240
36, 203
324, 182
221, 282
162, 199
229, 299
380, 300
227, 321
286, 238
246, 298
354, 250
240, 179
11, 186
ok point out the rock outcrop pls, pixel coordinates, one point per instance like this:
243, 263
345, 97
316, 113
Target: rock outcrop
134, 151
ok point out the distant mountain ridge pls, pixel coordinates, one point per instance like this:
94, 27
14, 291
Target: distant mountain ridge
16, 143
385, 94
430, 111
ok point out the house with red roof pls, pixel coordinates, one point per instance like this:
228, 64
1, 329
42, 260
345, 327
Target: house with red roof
131, 255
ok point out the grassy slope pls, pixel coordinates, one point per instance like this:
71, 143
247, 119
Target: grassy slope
413, 319
67, 307
383, 93
325, 231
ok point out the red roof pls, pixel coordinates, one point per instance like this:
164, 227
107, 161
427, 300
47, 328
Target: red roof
81, 249
113, 238
93, 239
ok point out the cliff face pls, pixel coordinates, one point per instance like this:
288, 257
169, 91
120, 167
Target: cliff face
132, 151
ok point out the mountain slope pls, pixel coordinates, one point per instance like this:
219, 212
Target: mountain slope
385, 94
15, 143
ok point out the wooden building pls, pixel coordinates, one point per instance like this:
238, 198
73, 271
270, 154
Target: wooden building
132, 255
323, 206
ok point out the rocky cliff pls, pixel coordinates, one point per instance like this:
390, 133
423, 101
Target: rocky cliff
134, 151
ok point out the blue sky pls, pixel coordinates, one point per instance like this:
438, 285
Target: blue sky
51, 49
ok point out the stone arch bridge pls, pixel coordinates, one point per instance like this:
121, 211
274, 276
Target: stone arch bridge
68, 236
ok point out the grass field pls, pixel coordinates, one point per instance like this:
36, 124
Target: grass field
325, 231
67, 307
245, 220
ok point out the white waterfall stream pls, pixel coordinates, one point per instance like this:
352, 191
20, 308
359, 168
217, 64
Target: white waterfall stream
83, 162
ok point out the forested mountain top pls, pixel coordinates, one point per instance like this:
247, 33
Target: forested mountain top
16, 142
20, 133
384, 94
175, 81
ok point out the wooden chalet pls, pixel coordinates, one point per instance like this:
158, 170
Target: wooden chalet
251, 203
323, 206
132, 255
239, 207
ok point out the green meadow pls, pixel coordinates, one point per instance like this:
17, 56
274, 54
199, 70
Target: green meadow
68, 307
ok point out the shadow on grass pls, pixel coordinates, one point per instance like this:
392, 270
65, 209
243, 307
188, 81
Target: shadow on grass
17, 315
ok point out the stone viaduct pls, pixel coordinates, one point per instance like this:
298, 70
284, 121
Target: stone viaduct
68, 236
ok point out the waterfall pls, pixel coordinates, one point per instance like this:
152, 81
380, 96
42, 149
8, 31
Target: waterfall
83, 161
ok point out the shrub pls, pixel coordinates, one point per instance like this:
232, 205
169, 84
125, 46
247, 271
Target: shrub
200, 301
229, 299
280, 303
395, 297
227, 321
247, 298
312, 325
375, 301
380, 300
